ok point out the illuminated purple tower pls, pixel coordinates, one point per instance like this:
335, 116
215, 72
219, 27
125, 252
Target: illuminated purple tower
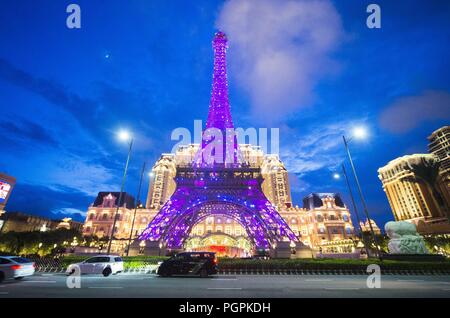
219, 132
216, 188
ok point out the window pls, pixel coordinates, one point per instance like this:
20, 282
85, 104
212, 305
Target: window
4, 261
345, 217
95, 260
117, 259
349, 230
105, 217
91, 216
181, 257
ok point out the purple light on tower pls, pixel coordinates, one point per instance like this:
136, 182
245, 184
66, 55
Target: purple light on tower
219, 115
224, 187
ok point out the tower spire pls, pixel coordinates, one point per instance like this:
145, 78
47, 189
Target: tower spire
219, 115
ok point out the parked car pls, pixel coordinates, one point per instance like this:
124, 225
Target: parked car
189, 263
15, 267
101, 264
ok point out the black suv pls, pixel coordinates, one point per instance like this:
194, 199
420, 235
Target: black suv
189, 263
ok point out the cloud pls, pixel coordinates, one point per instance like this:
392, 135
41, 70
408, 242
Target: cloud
406, 113
27, 131
70, 212
76, 173
51, 91
297, 185
105, 109
280, 50
45, 201
320, 147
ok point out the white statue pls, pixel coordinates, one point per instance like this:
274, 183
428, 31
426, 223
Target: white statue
404, 238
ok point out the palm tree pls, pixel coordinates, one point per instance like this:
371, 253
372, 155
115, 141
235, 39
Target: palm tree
427, 170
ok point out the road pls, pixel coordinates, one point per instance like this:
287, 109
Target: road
227, 286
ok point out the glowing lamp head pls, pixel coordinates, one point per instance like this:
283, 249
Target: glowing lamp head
124, 135
359, 133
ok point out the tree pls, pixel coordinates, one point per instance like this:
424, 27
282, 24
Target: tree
427, 170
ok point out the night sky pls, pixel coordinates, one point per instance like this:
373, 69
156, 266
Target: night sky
311, 68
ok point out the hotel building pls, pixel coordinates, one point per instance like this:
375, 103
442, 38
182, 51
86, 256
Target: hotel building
409, 192
323, 222
439, 145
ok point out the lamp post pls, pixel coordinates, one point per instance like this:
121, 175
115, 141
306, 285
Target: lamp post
355, 209
135, 208
125, 136
360, 133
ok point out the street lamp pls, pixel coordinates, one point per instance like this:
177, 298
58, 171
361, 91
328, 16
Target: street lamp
337, 176
135, 208
360, 133
123, 136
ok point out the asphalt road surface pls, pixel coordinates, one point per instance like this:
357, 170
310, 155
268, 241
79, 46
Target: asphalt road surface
227, 286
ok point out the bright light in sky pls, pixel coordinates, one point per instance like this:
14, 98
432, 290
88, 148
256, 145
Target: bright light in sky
124, 135
360, 132
336, 176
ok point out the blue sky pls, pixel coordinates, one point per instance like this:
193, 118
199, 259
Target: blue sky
313, 69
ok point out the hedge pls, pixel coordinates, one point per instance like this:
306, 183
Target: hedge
231, 264
327, 264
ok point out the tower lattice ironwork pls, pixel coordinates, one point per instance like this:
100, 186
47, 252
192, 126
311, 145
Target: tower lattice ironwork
224, 185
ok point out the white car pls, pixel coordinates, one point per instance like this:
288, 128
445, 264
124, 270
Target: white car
15, 267
101, 264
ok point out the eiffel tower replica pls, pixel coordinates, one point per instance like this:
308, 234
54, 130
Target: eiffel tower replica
218, 182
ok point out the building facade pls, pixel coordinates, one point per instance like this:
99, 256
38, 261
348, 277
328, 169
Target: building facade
22, 222
365, 227
323, 222
410, 196
439, 145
